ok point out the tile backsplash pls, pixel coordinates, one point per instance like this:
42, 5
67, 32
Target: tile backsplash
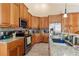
10, 29
38, 31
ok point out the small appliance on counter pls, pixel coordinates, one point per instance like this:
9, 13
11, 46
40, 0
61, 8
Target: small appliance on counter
22, 23
1, 35
20, 33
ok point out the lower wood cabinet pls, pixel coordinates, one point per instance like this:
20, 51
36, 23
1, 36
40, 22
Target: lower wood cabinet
37, 38
17, 47
13, 51
45, 38
14, 48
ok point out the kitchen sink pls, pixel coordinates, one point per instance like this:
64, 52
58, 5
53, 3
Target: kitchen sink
58, 40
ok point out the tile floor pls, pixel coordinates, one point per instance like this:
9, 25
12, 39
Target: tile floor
40, 49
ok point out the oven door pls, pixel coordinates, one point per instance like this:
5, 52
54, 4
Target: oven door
28, 40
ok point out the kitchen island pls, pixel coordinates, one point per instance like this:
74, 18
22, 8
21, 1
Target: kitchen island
62, 49
12, 46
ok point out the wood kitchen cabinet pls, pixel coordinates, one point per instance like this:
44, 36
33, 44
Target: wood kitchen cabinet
71, 23
14, 15
26, 16
13, 51
21, 10
66, 23
55, 18
35, 22
9, 15
45, 38
40, 37
44, 22
75, 21
4, 15
14, 48
36, 38
30, 21
41, 22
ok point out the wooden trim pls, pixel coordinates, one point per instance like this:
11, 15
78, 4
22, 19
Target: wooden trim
25, 6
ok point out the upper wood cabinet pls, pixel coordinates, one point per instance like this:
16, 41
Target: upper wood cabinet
44, 22
40, 22
54, 18
21, 10
75, 22
35, 22
30, 21
66, 23
71, 23
14, 15
4, 15
26, 16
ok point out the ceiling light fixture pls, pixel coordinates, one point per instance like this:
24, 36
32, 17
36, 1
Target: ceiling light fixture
65, 12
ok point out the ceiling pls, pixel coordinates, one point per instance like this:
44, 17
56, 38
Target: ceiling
45, 9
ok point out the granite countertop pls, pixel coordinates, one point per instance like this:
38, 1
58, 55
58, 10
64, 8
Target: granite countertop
10, 39
61, 49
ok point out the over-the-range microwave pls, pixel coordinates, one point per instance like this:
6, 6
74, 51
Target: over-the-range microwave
22, 23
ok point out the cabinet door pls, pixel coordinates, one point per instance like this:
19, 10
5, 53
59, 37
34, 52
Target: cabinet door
33, 39
36, 38
75, 22
45, 38
5, 14
70, 24
21, 10
3, 49
41, 23
14, 16
20, 47
66, 23
13, 51
44, 22
26, 17
35, 22
20, 50
30, 21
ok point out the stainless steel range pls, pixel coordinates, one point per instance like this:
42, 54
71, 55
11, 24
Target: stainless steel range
27, 43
